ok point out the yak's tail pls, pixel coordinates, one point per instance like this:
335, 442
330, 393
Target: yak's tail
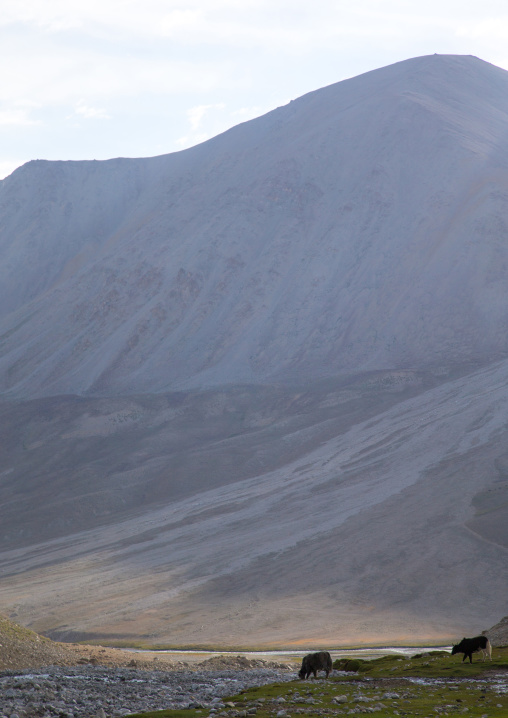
488, 650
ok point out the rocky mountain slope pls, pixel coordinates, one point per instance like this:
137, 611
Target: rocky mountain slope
359, 227
362, 519
255, 393
498, 634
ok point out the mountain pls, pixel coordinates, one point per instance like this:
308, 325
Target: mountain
362, 226
498, 634
255, 392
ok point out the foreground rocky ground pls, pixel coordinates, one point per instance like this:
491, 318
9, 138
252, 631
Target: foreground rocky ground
385, 687
85, 691
43, 679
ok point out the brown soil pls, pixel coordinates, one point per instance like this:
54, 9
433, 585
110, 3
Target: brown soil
22, 648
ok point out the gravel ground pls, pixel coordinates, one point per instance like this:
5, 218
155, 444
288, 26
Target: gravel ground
85, 691
42, 678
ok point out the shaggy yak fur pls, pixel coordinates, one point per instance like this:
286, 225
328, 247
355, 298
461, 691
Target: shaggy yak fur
468, 646
314, 662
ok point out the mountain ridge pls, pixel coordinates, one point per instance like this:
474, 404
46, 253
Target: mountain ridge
227, 263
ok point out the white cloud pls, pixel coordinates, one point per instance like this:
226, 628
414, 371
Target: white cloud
139, 17
196, 114
90, 113
16, 116
178, 20
280, 26
207, 121
486, 29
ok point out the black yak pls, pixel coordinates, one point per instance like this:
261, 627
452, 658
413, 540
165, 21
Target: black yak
468, 646
314, 662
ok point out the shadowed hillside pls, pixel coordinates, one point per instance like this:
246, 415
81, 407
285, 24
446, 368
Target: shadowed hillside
88, 461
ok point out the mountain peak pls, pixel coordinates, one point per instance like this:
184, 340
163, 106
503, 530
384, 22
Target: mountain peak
333, 235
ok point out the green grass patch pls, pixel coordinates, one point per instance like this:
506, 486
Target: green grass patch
433, 664
428, 684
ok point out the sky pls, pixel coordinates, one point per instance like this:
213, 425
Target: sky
95, 79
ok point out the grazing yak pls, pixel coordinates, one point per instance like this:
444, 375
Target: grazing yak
314, 662
468, 646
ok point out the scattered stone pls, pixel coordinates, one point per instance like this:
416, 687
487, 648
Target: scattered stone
86, 690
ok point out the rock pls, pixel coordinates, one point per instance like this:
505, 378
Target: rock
498, 634
85, 690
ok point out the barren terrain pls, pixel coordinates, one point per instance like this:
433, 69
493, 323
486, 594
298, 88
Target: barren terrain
298, 553
23, 649
255, 393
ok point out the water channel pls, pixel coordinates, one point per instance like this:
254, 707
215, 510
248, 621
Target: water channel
294, 656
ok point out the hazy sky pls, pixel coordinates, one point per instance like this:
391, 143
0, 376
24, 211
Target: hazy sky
93, 79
